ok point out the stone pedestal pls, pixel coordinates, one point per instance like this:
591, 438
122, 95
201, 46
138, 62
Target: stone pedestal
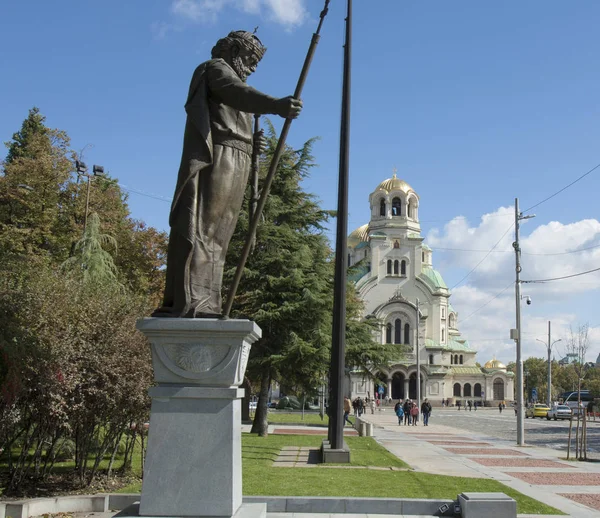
194, 459
490, 505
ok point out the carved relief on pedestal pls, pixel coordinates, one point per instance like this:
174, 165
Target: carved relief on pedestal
196, 358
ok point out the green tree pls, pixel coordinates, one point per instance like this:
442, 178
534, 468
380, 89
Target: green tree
34, 176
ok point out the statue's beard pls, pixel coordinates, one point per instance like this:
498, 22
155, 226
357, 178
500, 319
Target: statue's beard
240, 69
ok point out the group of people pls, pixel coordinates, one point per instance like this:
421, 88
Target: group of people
408, 412
468, 405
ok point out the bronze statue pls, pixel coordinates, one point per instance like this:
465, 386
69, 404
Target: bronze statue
217, 152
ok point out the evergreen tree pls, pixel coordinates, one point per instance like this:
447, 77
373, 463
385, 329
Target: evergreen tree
91, 262
287, 288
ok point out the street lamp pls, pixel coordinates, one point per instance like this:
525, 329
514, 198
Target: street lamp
549, 346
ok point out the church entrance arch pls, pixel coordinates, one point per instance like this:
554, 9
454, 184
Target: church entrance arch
398, 386
467, 390
477, 390
498, 389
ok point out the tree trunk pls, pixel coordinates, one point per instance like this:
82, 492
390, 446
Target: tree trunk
260, 424
114, 454
246, 400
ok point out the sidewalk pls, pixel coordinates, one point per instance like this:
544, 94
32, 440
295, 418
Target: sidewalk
537, 472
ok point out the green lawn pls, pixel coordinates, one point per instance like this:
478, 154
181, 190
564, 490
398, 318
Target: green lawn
285, 417
261, 478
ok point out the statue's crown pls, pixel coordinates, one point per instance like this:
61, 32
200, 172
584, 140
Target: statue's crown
250, 40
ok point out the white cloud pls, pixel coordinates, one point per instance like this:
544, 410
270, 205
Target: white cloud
289, 13
484, 320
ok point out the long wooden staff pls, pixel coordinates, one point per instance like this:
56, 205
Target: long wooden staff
254, 180
273, 168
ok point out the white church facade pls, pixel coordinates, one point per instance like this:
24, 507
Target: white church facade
394, 269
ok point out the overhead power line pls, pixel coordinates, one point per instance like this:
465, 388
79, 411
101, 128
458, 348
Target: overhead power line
492, 299
485, 256
561, 278
142, 193
512, 251
563, 189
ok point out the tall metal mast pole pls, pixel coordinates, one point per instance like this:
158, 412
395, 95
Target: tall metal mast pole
418, 360
338, 339
520, 409
549, 391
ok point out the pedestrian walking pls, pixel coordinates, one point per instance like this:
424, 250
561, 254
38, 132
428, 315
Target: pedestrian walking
347, 408
426, 411
414, 414
470, 405
458, 405
399, 412
372, 405
355, 407
500, 406
406, 408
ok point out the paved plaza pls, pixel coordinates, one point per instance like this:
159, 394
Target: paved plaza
483, 444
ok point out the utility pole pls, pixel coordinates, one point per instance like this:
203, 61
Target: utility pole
549, 346
520, 407
418, 359
520, 423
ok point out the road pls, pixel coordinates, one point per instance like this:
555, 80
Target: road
538, 432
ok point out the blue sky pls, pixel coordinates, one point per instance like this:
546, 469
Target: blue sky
475, 103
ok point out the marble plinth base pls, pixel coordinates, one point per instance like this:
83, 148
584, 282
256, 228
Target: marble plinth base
193, 462
245, 511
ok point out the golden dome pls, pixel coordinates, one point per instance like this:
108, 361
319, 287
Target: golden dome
358, 236
395, 184
495, 364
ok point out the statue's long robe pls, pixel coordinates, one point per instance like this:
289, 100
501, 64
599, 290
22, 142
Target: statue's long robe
215, 163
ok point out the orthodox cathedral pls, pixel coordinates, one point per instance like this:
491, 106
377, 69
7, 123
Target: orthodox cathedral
395, 277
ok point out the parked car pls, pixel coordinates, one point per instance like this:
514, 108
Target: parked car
537, 410
559, 412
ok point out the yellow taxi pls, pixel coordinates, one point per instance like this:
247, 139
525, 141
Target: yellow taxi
537, 410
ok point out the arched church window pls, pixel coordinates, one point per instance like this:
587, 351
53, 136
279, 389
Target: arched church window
456, 359
457, 389
431, 359
396, 264
389, 267
451, 359
382, 207
477, 390
452, 320
396, 207
467, 390
443, 335
423, 256
406, 333
461, 359
398, 331
388, 334
403, 267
